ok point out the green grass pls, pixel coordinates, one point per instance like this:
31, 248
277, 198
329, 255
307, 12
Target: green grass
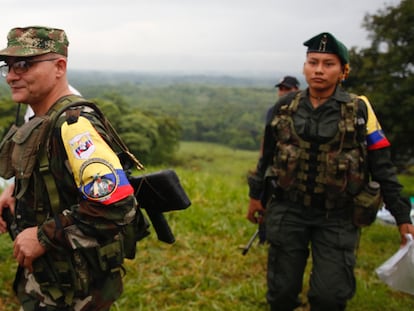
205, 270
408, 182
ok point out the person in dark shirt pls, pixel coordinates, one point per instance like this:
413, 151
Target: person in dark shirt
286, 85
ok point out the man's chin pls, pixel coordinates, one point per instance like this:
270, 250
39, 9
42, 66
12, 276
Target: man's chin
18, 98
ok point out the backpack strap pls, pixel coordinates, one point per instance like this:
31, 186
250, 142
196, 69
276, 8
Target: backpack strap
290, 108
347, 123
44, 170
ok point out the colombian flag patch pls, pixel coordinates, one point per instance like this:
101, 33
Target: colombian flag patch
375, 136
97, 170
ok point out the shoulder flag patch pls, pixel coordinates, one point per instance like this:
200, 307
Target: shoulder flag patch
375, 136
97, 170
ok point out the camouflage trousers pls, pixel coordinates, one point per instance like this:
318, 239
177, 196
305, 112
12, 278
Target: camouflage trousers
103, 294
294, 232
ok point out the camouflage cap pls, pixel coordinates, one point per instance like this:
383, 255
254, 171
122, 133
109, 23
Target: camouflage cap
35, 40
327, 43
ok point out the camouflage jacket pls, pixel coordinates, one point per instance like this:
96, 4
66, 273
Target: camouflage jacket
84, 231
100, 215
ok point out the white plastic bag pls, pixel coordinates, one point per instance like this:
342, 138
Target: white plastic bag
398, 271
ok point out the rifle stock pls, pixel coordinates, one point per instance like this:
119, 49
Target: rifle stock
158, 193
11, 225
161, 226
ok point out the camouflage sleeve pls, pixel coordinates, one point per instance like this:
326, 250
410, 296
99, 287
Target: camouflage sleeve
105, 199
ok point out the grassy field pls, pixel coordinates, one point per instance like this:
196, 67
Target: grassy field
205, 269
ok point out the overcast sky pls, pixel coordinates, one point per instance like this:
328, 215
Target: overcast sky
193, 36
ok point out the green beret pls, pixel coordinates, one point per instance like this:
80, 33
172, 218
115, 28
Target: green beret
35, 40
327, 43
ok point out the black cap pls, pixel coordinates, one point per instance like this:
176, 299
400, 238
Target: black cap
327, 43
289, 82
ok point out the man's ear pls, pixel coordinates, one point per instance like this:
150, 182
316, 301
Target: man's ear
61, 64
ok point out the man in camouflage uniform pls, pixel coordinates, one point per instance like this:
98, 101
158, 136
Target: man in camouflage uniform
68, 241
330, 163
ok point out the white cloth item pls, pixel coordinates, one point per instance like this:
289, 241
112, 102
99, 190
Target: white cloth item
385, 216
398, 271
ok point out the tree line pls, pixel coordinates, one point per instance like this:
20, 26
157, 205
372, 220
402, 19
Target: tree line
384, 71
153, 120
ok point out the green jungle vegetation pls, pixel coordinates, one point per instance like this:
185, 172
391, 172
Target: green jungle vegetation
204, 270
152, 119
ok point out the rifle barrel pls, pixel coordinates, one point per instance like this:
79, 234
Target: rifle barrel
250, 243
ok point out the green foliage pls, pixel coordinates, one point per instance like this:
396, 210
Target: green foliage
230, 115
408, 182
152, 137
166, 145
7, 113
205, 270
384, 72
7, 271
140, 133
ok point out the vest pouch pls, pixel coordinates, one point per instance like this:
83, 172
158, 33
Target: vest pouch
344, 171
55, 276
286, 165
6, 149
28, 139
134, 232
366, 205
282, 129
111, 256
337, 165
90, 258
356, 171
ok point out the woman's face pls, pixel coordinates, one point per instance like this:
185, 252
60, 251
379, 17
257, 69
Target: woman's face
323, 71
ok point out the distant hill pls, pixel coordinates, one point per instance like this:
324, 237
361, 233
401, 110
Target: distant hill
80, 77
93, 77
218, 108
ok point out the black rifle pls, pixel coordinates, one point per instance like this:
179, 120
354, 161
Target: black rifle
158, 193
250, 243
11, 225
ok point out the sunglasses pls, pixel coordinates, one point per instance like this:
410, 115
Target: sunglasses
21, 66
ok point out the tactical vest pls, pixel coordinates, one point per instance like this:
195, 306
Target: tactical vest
25, 154
26, 147
334, 170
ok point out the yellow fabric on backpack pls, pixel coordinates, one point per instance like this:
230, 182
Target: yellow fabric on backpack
101, 176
